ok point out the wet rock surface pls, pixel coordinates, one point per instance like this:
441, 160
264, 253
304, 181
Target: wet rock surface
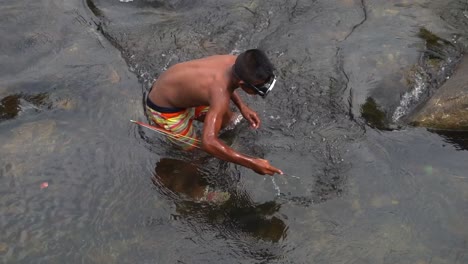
354, 191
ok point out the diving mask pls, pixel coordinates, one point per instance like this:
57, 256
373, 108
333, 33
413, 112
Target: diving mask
262, 90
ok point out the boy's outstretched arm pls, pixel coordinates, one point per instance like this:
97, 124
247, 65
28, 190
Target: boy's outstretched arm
217, 148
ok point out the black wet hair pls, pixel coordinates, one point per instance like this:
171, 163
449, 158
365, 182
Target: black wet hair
253, 65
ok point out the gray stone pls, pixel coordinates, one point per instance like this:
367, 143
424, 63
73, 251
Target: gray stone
448, 107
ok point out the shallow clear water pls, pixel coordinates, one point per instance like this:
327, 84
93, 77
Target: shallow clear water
81, 184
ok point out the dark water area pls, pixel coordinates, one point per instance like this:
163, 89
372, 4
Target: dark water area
82, 184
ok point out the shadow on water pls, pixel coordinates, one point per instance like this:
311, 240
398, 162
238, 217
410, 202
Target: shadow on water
225, 208
457, 138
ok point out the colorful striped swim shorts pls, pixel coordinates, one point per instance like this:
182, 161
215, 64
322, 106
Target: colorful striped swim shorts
178, 122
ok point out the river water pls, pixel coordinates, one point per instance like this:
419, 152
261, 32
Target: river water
82, 184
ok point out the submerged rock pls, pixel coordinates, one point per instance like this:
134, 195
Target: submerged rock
12, 105
437, 62
448, 107
401, 80
373, 114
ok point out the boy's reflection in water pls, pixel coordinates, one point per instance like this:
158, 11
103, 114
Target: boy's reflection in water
230, 211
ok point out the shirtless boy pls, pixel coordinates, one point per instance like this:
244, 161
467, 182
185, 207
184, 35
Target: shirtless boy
202, 90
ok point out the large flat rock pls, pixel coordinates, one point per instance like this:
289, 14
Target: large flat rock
448, 107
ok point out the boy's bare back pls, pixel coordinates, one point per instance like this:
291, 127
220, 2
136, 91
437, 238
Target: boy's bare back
191, 83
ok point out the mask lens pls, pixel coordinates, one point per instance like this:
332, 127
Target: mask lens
261, 90
267, 87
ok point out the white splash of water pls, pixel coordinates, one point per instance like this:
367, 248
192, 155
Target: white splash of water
409, 98
236, 119
171, 57
278, 191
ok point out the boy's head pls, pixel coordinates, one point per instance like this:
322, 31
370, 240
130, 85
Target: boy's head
255, 72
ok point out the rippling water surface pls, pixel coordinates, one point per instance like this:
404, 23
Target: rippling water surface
81, 184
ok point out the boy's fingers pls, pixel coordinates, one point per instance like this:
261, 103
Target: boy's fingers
276, 170
253, 124
257, 122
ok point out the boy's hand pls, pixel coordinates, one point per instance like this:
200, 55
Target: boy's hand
251, 116
263, 167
